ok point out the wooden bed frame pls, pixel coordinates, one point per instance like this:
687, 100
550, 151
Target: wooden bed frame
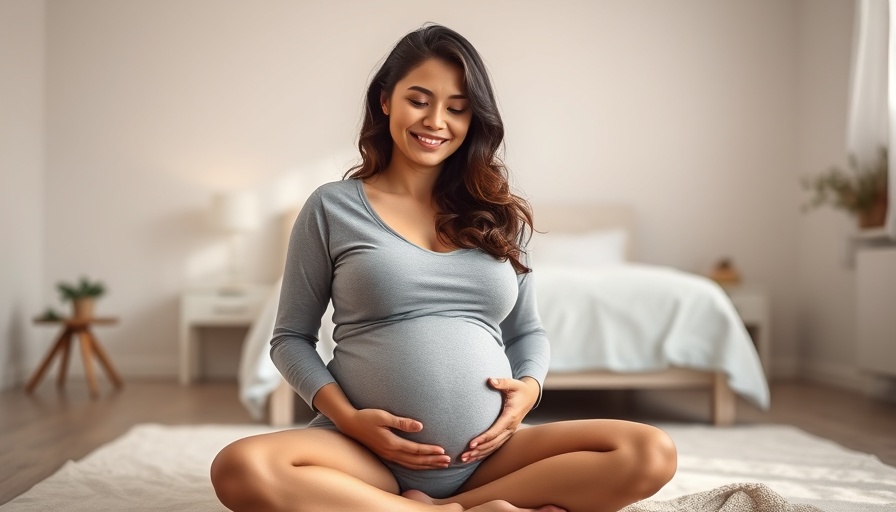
573, 219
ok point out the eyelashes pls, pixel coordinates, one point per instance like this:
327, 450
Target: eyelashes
422, 104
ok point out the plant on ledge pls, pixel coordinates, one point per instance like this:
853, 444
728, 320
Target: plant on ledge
82, 295
862, 191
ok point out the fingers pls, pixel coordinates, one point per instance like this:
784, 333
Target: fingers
377, 430
414, 455
492, 445
499, 426
419, 456
412, 448
502, 384
487, 448
404, 424
505, 386
430, 462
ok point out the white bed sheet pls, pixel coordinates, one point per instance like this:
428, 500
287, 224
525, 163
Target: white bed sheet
258, 377
623, 318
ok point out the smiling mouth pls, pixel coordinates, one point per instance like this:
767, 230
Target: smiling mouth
431, 142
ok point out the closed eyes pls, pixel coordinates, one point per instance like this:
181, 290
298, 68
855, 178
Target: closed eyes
422, 104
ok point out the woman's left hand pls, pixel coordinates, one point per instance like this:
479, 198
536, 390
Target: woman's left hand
519, 398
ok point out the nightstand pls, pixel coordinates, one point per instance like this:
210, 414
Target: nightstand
752, 305
214, 307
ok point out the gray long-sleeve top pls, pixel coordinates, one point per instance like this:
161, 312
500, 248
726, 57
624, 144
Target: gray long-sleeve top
417, 332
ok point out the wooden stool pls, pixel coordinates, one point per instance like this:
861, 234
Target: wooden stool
89, 347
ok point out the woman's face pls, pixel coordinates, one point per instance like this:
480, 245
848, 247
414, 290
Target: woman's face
429, 114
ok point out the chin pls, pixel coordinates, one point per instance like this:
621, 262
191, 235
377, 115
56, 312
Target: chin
430, 160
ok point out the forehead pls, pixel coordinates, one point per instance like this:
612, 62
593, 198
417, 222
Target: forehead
436, 75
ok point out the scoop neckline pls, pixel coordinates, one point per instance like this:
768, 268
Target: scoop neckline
379, 220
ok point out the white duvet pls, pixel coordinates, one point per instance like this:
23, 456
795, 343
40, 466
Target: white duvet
637, 318
623, 318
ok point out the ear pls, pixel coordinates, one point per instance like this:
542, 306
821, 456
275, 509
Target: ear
384, 103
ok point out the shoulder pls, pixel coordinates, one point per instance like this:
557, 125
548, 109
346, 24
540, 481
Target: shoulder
333, 194
337, 202
340, 187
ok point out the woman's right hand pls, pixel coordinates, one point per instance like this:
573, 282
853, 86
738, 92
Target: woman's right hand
373, 429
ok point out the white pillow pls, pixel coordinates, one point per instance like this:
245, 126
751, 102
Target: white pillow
594, 249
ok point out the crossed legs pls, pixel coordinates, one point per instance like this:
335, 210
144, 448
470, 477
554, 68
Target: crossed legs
581, 466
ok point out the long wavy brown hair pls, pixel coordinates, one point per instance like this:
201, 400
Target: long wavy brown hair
476, 208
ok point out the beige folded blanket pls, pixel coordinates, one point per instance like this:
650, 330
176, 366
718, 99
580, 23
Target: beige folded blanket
741, 497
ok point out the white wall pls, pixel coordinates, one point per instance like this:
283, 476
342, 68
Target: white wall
21, 181
686, 110
826, 280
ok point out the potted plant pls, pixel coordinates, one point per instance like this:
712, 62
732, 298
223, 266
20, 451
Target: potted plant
862, 191
82, 296
49, 315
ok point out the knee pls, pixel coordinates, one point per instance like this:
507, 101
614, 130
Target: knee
239, 478
656, 459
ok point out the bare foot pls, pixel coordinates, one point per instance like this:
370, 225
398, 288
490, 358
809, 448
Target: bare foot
503, 506
491, 506
422, 497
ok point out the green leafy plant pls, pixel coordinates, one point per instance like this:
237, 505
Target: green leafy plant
857, 191
85, 288
50, 314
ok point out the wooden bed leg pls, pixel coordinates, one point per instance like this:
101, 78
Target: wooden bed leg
281, 406
723, 401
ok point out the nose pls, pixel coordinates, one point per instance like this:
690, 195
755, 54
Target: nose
435, 120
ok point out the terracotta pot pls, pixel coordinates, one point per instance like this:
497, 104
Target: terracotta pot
876, 216
83, 308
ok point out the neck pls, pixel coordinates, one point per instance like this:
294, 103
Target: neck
409, 180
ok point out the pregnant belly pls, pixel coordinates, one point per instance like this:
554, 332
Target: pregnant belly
432, 369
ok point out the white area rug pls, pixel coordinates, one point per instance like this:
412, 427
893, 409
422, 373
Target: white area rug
161, 468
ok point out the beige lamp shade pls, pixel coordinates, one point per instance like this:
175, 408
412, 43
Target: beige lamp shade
235, 212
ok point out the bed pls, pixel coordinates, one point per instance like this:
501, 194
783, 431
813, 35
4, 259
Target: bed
613, 323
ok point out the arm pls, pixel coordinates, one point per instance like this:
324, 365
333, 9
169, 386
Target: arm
303, 300
525, 340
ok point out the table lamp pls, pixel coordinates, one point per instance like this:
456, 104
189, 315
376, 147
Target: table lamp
235, 213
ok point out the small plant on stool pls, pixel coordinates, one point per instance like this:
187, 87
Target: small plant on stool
50, 315
82, 296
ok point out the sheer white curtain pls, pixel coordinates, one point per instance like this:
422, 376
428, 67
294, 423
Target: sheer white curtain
872, 110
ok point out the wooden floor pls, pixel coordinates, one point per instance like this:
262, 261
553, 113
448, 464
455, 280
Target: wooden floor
38, 433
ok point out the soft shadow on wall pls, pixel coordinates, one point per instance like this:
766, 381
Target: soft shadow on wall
261, 251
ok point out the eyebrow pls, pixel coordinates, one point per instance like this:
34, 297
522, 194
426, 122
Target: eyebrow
429, 93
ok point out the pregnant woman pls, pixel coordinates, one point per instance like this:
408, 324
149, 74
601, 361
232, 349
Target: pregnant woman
440, 352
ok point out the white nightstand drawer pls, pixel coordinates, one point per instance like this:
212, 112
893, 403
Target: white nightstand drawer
216, 309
